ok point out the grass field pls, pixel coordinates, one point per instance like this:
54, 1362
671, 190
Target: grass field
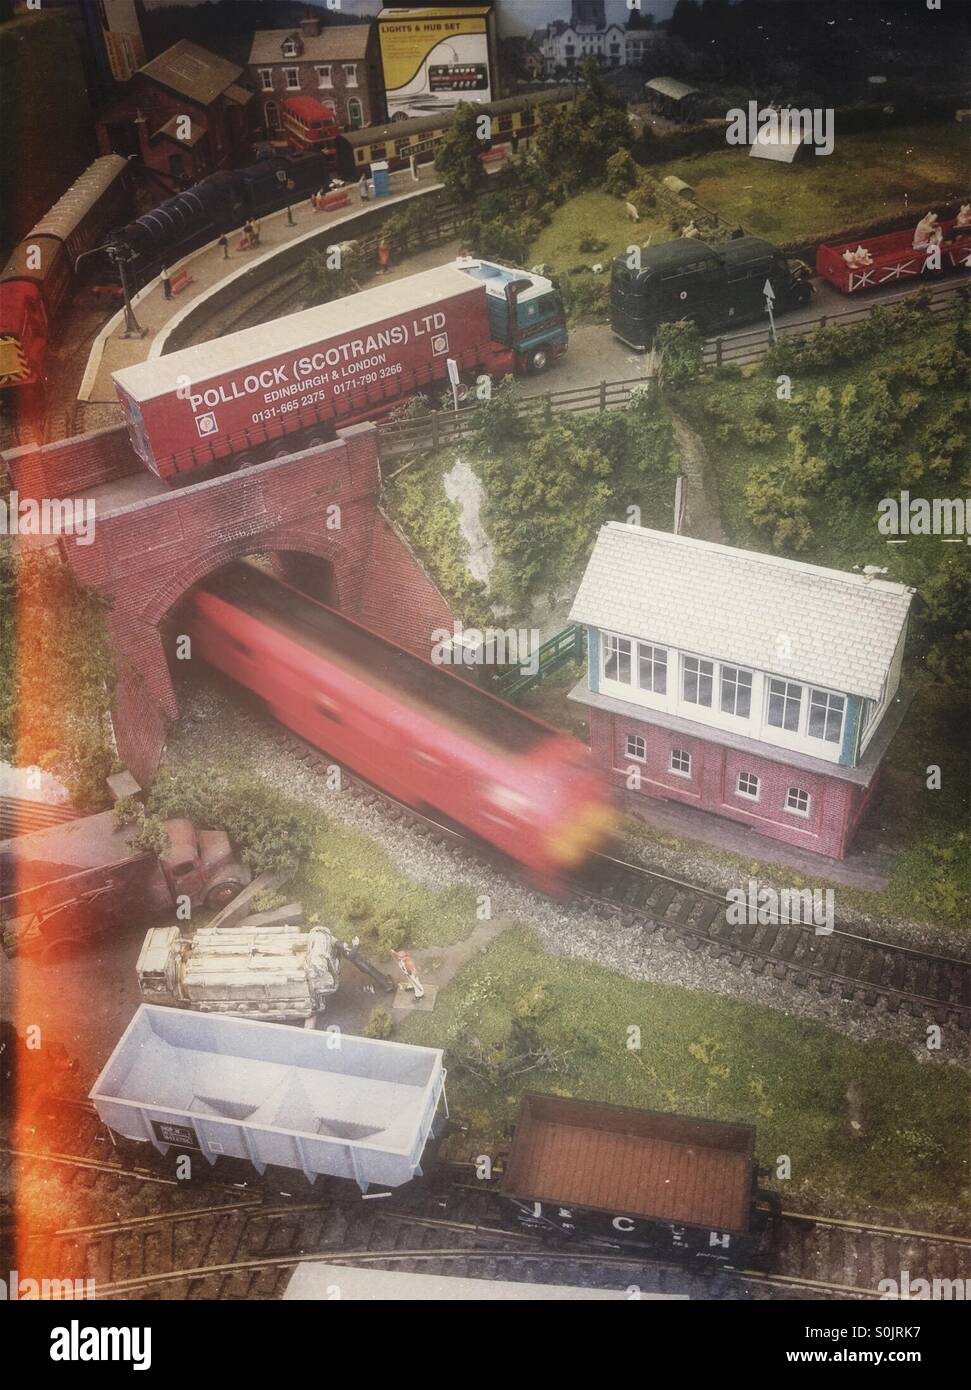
592, 214
701, 1055
869, 175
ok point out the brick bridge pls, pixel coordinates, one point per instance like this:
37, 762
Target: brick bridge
151, 545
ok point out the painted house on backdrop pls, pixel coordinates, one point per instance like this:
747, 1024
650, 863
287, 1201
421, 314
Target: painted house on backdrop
762, 689
336, 64
184, 115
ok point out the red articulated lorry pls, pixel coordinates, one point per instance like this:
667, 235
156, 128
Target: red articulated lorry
351, 360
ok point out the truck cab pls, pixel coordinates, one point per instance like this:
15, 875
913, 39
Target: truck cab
526, 312
714, 287
200, 865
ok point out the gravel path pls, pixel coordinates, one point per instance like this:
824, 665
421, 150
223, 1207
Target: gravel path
563, 930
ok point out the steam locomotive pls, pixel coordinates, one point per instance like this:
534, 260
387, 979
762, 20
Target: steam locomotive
219, 203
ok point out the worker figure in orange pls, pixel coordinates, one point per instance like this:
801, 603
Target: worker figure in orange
384, 256
410, 971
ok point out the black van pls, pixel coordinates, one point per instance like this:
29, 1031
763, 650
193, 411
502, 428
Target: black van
715, 287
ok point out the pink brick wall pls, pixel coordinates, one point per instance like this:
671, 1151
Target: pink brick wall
71, 466
146, 557
835, 806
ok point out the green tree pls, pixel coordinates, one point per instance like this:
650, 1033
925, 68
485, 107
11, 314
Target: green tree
457, 163
338, 271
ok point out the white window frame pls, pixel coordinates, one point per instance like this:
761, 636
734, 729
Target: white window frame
657, 657
679, 771
748, 795
825, 700
293, 86
708, 675
786, 699
612, 646
797, 810
635, 738
736, 684
325, 76
266, 79
290, 48
350, 74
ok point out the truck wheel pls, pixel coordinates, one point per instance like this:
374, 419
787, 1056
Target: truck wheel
538, 360
222, 894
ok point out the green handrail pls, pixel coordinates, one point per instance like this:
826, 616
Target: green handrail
555, 651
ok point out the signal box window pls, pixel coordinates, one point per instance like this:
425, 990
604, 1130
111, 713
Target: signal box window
696, 681
736, 691
617, 659
636, 747
652, 668
826, 715
785, 700
747, 785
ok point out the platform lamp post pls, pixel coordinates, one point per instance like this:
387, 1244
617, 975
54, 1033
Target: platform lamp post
282, 177
119, 255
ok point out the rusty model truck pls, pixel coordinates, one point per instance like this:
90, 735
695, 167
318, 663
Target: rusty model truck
277, 972
65, 884
287, 385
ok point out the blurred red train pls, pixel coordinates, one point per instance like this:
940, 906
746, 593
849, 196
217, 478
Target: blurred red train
427, 737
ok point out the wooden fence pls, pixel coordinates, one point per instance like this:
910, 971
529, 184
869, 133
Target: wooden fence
743, 348
402, 440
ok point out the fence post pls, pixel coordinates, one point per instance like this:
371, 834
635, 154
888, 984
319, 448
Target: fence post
822, 321
603, 395
435, 430
718, 352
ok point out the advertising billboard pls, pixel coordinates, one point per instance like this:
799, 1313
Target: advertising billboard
435, 58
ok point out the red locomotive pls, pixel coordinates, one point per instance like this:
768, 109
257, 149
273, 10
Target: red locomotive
429, 738
40, 275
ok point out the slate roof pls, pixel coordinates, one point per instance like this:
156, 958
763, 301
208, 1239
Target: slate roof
192, 71
334, 43
670, 87
739, 606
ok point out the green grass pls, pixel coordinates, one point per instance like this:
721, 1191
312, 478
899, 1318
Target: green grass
592, 214
729, 1060
869, 175
351, 882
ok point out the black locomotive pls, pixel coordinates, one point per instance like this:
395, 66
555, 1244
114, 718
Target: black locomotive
217, 204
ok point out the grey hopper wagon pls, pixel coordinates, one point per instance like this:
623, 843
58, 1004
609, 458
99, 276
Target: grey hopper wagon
324, 1104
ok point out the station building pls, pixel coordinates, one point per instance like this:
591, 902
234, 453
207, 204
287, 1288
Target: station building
763, 689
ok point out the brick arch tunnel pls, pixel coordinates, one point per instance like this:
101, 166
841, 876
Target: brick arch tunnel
316, 509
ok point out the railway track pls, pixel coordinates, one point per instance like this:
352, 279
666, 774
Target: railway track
246, 1246
865, 969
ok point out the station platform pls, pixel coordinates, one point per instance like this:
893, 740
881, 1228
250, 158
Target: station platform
208, 269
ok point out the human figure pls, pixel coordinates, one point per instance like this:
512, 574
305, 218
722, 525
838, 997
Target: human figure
363, 188
410, 971
927, 233
254, 233
247, 240
384, 256
166, 284
224, 243
963, 219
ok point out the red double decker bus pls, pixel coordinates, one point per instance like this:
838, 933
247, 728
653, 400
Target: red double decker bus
310, 125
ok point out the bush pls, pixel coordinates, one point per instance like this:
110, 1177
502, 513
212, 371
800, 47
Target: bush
392, 932
680, 347
380, 1025
150, 836
621, 174
271, 832
592, 243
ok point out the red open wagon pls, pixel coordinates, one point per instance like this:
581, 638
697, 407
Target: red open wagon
893, 257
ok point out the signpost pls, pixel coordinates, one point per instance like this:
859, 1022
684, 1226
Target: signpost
769, 293
453, 376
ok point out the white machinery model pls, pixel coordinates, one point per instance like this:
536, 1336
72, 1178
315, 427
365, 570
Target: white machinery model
272, 972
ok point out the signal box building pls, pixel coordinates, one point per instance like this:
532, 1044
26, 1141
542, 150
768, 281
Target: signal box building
762, 689
337, 64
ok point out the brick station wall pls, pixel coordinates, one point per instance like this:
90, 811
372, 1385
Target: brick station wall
147, 555
71, 466
835, 805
